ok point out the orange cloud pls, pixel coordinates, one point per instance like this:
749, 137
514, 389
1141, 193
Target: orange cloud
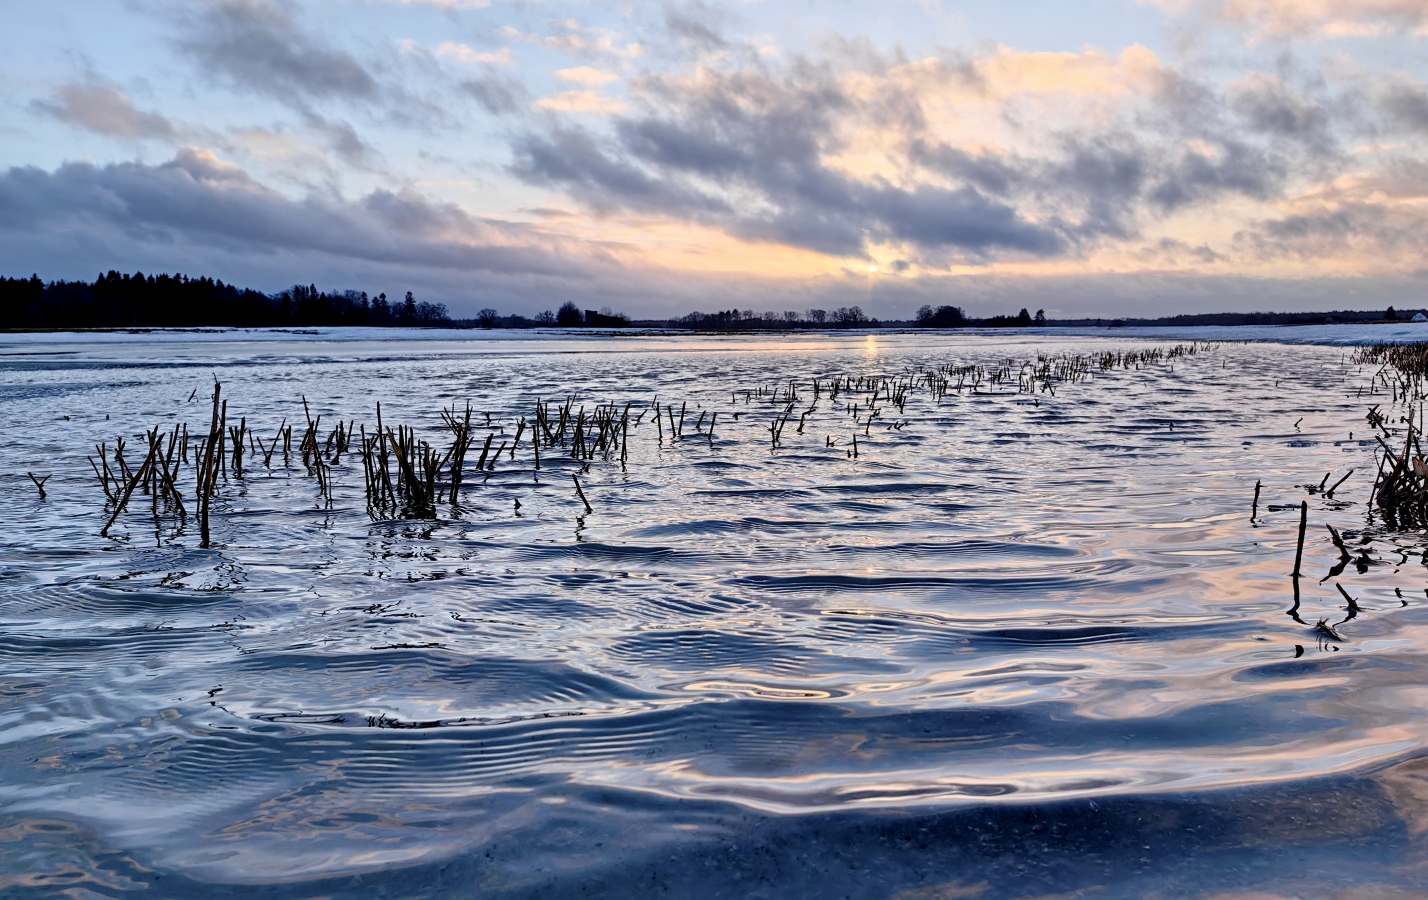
580, 102
687, 247
1091, 72
587, 76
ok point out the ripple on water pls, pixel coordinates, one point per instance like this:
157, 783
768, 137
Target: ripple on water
1036, 604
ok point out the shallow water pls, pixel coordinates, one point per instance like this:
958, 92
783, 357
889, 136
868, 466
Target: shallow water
1022, 645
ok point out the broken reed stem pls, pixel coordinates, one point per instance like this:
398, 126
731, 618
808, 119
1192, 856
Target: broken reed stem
1330, 492
1338, 542
1353, 605
580, 493
166, 476
129, 490
1303, 524
39, 483
1254, 506
222, 441
103, 482
205, 472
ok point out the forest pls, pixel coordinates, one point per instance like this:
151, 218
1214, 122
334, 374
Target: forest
115, 300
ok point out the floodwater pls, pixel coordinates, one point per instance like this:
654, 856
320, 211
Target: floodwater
1023, 645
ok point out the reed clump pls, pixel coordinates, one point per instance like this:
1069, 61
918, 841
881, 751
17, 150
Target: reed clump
1400, 490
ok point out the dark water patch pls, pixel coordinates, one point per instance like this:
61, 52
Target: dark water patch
968, 547
701, 650
893, 488
695, 527
110, 645
20, 393
98, 602
450, 680
912, 584
1318, 840
752, 494
686, 606
541, 606
590, 551
952, 632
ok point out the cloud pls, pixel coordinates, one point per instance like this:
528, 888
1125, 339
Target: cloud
1405, 104
1009, 71
840, 159
499, 96
318, 151
291, 153
256, 45
571, 37
199, 214
1314, 19
670, 157
198, 202
497, 93
448, 4
745, 152
104, 110
586, 76
1268, 105
580, 102
343, 140
1174, 253
697, 25
463, 53
1385, 234
1375, 220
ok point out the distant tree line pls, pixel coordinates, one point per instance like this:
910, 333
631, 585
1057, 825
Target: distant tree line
749, 320
115, 300
845, 317
953, 317
1338, 316
567, 316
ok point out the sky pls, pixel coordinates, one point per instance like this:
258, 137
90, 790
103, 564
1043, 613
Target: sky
1099, 158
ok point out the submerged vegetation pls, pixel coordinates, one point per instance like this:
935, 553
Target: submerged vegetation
406, 476
1400, 492
1398, 500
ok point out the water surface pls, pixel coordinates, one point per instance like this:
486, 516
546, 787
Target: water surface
1024, 644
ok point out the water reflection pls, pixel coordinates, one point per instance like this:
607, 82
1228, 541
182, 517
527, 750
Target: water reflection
1006, 610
